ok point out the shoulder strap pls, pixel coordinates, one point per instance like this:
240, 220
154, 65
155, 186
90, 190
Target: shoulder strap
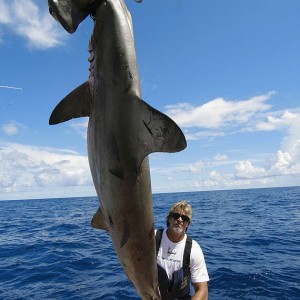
187, 253
187, 248
158, 237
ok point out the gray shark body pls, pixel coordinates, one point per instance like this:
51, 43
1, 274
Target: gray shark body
123, 130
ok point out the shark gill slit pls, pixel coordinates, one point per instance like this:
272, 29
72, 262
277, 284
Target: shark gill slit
111, 222
126, 234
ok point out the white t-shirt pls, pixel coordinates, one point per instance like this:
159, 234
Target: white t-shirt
171, 258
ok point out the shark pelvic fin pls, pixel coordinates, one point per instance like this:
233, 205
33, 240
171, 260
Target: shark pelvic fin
98, 220
158, 132
75, 105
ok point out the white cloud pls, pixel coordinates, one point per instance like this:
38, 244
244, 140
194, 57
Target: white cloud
278, 169
245, 169
285, 164
11, 87
26, 19
220, 157
273, 122
286, 161
80, 126
4, 12
27, 168
282, 164
196, 167
189, 135
218, 113
193, 168
11, 128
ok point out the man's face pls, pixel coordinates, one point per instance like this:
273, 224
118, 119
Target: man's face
177, 224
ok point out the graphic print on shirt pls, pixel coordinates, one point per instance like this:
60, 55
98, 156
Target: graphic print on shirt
171, 251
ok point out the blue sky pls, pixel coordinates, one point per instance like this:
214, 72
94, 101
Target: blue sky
227, 71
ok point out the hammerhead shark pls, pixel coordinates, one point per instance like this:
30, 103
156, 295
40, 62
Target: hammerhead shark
122, 131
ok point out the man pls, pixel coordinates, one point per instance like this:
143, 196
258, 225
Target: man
179, 258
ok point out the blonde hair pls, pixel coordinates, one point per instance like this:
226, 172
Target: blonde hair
180, 206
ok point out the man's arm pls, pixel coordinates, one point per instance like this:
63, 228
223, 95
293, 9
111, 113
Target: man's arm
201, 291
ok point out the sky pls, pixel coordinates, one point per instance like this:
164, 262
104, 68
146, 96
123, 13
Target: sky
226, 71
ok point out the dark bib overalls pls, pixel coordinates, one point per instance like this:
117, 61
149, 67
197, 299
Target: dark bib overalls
179, 286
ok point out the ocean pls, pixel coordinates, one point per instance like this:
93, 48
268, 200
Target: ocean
250, 239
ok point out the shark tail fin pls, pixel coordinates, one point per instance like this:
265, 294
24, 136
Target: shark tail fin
98, 220
75, 105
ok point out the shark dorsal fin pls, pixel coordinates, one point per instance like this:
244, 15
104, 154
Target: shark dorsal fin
77, 104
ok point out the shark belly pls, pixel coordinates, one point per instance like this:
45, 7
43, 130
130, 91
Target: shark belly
122, 181
124, 189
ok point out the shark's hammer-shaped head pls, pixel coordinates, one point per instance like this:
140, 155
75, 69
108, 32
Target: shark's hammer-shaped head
70, 13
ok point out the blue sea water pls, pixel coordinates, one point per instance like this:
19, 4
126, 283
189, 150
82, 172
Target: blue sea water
250, 238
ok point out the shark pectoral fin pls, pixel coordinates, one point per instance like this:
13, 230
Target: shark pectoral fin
98, 220
159, 132
75, 105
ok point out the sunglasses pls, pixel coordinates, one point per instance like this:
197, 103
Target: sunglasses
184, 218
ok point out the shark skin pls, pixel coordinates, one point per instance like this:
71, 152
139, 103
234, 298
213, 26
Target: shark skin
123, 130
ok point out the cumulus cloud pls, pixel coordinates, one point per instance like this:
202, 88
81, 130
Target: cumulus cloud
26, 19
219, 118
219, 112
245, 169
291, 143
277, 121
277, 169
286, 161
281, 163
27, 168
